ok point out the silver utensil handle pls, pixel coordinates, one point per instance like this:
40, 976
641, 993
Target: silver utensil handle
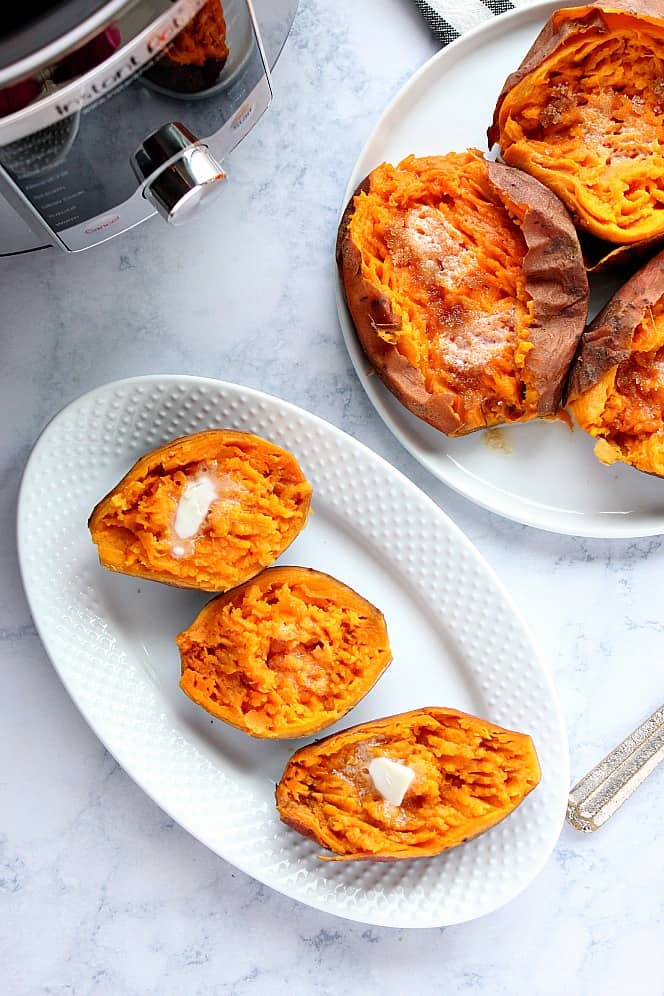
604, 789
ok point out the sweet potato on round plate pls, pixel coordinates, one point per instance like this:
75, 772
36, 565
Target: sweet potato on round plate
584, 113
206, 511
284, 655
616, 388
407, 786
465, 283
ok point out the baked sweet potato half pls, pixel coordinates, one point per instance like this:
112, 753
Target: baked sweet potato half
583, 113
284, 655
206, 511
408, 786
194, 59
616, 388
465, 283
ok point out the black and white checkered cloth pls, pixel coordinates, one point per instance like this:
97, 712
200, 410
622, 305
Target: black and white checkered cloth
448, 19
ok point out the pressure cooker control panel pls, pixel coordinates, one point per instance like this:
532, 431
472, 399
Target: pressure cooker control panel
153, 142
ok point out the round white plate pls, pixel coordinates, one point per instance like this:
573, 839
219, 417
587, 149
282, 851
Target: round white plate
456, 638
539, 473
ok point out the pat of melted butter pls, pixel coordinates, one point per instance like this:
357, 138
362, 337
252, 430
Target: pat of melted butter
390, 778
193, 507
496, 439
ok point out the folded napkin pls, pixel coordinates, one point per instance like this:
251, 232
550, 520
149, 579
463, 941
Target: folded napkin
450, 18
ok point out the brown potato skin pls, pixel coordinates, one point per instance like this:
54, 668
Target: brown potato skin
369, 308
555, 279
599, 256
607, 257
196, 56
551, 38
607, 340
374, 729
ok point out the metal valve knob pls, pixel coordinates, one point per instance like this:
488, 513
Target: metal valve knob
182, 173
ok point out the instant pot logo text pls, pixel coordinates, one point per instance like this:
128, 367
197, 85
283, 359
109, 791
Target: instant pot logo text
103, 82
99, 87
102, 225
122, 73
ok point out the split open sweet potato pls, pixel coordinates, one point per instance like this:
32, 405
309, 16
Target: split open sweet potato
616, 389
465, 282
194, 59
584, 113
206, 511
284, 655
464, 775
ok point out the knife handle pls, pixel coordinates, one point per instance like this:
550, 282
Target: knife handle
604, 789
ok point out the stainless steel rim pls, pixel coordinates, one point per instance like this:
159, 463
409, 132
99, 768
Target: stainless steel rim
103, 78
67, 42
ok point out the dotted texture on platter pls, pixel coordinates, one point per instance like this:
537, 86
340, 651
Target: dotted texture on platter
114, 425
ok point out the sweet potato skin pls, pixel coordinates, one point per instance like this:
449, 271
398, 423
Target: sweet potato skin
555, 279
607, 340
196, 56
600, 254
563, 23
304, 820
258, 710
617, 382
370, 309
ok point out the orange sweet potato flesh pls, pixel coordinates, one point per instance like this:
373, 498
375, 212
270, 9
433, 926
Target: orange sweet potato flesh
584, 114
193, 60
465, 283
469, 775
616, 388
202, 39
261, 504
284, 655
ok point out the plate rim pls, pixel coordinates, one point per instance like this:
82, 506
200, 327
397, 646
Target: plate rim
601, 525
138, 777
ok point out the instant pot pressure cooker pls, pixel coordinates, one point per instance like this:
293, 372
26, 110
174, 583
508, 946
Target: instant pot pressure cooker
111, 112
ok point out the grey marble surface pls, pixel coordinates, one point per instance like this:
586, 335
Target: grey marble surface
100, 893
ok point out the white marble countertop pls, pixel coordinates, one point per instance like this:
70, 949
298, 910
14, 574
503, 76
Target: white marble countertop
100, 893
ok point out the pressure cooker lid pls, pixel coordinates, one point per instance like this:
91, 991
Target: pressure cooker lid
30, 27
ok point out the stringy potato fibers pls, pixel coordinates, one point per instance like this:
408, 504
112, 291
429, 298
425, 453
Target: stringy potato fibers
465, 283
285, 655
468, 775
585, 115
617, 384
259, 503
